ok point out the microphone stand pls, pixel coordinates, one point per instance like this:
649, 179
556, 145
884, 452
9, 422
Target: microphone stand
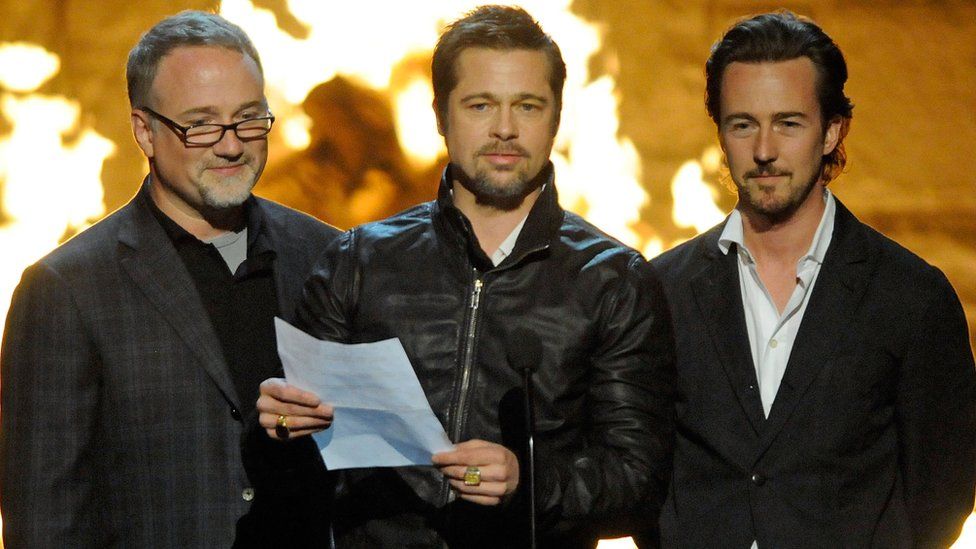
524, 356
530, 430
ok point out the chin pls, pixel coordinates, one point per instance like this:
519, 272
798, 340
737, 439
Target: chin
226, 197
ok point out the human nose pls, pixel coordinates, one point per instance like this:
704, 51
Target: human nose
229, 146
764, 149
504, 126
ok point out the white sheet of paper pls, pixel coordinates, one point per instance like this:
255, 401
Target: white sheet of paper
382, 417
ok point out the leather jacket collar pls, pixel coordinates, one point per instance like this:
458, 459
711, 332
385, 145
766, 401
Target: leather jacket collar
541, 227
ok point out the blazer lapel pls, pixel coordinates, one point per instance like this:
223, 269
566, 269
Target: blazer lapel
842, 281
289, 256
719, 298
149, 258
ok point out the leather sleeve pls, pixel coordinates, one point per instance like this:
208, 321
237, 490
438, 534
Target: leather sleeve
618, 480
330, 292
936, 415
50, 398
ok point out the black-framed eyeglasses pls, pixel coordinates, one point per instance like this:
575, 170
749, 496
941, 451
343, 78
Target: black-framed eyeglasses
211, 134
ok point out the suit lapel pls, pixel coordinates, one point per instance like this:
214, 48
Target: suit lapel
719, 299
843, 278
149, 258
288, 257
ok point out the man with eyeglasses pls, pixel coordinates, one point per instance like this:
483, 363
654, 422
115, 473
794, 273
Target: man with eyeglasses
133, 352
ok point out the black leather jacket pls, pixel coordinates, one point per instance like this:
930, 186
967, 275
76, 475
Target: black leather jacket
604, 383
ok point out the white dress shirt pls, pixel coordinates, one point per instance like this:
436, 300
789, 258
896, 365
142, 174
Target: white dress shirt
771, 334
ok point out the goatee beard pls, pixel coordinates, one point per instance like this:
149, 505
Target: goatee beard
505, 198
776, 213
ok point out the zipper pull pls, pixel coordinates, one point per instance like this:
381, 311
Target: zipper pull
476, 294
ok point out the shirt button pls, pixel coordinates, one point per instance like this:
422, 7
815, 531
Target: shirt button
235, 413
247, 494
773, 343
757, 479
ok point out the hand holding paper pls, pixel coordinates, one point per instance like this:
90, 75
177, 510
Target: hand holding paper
498, 470
382, 417
303, 411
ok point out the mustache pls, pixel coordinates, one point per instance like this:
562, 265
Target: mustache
242, 161
503, 148
767, 170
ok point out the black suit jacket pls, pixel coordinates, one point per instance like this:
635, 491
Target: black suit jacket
120, 422
870, 440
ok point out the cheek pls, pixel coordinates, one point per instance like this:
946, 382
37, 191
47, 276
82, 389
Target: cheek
737, 156
812, 156
258, 151
464, 140
178, 161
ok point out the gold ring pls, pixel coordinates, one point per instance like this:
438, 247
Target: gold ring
281, 427
472, 476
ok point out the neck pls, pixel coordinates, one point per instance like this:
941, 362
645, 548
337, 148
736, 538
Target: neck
204, 225
785, 240
491, 225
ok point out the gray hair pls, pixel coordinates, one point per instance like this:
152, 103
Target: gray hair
187, 28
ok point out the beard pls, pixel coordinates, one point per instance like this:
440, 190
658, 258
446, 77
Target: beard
219, 193
505, 197
775, 210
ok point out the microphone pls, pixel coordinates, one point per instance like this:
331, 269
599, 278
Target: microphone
524, 354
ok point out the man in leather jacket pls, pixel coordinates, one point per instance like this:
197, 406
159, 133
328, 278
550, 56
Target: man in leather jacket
468, 283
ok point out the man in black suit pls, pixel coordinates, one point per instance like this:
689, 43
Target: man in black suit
132, 353
826, 381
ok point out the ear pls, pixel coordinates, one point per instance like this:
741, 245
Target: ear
142, 131
441, 124
833, 134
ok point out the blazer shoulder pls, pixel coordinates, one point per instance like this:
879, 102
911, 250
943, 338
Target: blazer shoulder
687, 258
294, 223
95, 245
902, 264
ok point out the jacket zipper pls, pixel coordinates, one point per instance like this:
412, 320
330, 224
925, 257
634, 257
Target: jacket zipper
467, 360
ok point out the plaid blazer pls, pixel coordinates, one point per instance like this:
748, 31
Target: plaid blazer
120, 423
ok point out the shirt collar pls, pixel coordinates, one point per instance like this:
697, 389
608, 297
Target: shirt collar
505, 248
541, 226
253, 220
733, 232
821, 239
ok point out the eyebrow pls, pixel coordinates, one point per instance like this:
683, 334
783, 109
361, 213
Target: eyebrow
790, 114
777, 116
492, 97
213, 110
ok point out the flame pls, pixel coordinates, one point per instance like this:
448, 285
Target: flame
694, 199
25, 67
600, 177
617, 543
415, 118
967, 540
49, 187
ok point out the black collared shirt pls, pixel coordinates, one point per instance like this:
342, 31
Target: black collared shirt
241, 305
